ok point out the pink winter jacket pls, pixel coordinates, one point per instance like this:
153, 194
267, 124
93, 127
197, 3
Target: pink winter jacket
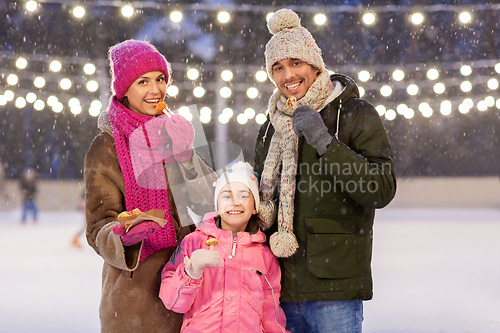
240, 295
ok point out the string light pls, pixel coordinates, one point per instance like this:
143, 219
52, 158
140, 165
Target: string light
364, 76
361, 91
9, 95
490, 101
20, 102
172, 91
466, 70
412, 89
398, 75
39, 105
492, 84
92, 86
260, 118
186, 113
31, 97
439, 88
52, 100
241, 119
368, 18
55, 66
95, 108
226, 75
205, 115
89, 69
390, 114
261, 76
401, 109
481, 106
386, 91
79, 12
193, 74
466, 86
31, 6
252, 93
417, 18
39, 82
465, 17
249, 113
228, 112
409, 113
198, 92
320, 19
127, 11
65, 84
380, 109
432, 74
223, 17
225, 92
77, 109
58, 107
21, 63
176, 16
445, 108
12, 79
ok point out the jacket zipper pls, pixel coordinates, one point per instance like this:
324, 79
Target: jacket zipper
274, 299
338, 119
233, 252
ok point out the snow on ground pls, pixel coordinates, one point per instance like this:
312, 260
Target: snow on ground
46, 284
434, 271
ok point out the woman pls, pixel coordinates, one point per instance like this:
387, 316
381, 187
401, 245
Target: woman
132, 164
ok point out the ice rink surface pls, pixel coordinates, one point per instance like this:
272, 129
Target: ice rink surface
434, 270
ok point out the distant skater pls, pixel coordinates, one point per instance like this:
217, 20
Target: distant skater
28, 192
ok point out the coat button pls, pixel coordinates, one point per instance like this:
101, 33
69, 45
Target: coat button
230, 256
228, 298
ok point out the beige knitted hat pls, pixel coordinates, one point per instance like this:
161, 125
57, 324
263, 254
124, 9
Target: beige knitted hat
290, 41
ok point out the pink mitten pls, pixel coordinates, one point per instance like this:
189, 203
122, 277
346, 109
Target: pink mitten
181, 132
199, 260
137, 233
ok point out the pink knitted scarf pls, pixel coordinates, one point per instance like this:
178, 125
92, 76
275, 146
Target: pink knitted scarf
141, 154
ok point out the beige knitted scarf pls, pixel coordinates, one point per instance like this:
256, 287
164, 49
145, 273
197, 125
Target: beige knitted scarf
283, 150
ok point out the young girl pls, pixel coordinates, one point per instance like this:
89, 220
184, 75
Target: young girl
233, 286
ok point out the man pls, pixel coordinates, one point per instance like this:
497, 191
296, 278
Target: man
327, 158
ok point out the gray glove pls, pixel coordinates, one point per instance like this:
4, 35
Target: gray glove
307, 122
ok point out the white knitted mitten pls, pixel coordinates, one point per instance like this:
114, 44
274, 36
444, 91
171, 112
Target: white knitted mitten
200, 259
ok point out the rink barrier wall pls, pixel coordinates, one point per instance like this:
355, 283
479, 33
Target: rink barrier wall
425, 192
52, 195
447, 192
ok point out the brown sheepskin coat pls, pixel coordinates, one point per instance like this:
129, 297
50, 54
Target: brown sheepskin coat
130, 288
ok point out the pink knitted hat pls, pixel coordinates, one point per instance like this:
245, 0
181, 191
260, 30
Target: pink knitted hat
131, 59
290, 41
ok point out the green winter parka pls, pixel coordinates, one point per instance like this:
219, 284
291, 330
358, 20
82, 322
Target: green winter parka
335, 199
